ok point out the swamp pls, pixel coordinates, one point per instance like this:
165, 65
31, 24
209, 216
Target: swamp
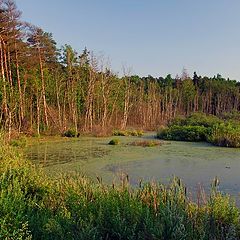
197, 163
94, 149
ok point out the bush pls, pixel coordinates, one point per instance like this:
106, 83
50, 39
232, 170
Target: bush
119, 133
136, 133
70, 133
200, 127
114, 142
184, 133
196, 119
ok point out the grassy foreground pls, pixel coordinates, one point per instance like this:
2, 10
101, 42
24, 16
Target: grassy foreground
32, 206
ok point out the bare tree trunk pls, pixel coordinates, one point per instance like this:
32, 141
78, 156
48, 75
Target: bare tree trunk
4, 102
58, 104
126, 103
104, 97
38, 114
88, 123
9, 125
19, 85
43, 88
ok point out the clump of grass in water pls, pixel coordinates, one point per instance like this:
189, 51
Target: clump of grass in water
114, 142
126, 133
34, 206
146, 143
71, 133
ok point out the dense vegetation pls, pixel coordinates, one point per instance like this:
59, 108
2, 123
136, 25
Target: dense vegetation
32, 206
45, 89
201, 127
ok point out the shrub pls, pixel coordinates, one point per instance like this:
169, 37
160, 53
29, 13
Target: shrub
114, 142
137, 133
201, 127
184, 133
70, 133
196, 119
119, 133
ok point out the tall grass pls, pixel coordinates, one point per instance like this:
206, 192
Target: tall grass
226, 135
32, 206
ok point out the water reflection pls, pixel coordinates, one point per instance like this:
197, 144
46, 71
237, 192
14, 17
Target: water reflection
194, 163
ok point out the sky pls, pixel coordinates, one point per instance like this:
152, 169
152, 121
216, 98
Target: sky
150, 37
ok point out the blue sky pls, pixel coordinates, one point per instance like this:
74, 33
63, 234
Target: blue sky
154, 37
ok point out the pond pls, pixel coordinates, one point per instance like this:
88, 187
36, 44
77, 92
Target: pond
195, 163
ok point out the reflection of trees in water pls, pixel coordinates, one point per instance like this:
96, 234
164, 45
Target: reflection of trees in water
50, 157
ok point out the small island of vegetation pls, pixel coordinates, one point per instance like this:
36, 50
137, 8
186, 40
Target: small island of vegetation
223, 131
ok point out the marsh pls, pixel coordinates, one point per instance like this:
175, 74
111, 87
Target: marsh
195, 163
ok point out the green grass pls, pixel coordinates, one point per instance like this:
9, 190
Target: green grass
225, 135
136, 133
19, 142
151, 143
33, 206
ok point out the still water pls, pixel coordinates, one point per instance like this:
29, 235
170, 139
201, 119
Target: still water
195, 163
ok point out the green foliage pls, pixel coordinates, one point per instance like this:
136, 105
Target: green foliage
232, 116
70, 133
146, 143
73, 207
201, 127
189, 91
136, 133
196, 119
184, 133
19, 142
225, 135
114, 142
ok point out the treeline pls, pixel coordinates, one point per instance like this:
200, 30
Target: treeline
43, 88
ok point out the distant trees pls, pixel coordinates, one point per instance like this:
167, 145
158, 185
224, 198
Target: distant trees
43, 88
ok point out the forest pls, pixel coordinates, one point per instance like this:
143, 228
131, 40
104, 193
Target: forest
46, 89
